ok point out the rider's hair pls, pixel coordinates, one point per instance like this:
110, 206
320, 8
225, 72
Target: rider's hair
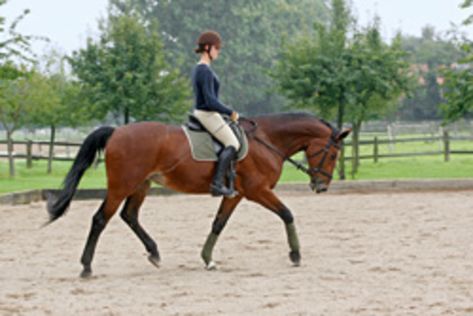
210, 38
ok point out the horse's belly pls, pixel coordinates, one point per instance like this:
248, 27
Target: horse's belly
158, 178
180, 184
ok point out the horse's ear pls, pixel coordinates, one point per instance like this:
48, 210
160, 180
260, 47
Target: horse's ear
344, 133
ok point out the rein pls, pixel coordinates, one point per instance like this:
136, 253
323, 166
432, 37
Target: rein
309, 171
297, 164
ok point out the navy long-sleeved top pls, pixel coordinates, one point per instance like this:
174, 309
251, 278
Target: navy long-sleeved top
206, 85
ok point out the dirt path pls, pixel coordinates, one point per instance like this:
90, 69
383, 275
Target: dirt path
379, 254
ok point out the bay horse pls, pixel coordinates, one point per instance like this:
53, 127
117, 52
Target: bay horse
139, 153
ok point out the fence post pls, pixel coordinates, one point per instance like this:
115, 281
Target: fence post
375, 149
29, 157
446, 146
391, 137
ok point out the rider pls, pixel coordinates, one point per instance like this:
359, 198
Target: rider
209, 110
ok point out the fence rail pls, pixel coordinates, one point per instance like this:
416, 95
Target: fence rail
446, 140
46, 143
409, 140
37, 157
65, 151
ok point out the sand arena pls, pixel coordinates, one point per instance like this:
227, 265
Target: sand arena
362, 254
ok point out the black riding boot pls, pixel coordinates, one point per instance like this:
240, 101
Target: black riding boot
218, 188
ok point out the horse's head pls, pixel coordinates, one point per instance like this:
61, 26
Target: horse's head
322, 155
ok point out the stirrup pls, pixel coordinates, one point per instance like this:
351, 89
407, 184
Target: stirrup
221, 190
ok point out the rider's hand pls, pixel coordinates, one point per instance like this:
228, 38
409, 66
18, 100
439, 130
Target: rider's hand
234, 117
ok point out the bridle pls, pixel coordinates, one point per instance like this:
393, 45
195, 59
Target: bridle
313, 172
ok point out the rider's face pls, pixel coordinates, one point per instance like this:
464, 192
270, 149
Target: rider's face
214, 51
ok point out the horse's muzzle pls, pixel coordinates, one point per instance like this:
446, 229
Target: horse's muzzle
318, 186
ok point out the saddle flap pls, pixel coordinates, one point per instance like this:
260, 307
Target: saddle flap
205, 148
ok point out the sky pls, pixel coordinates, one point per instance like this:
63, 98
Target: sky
67, 23
410, 16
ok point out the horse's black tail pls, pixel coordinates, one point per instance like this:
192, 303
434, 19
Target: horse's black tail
95, 142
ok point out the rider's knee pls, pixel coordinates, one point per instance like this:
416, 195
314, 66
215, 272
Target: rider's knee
235, 144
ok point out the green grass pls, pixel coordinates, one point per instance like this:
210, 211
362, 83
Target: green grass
401, 168
425, 167
422, 167
460, 166
417, 168
37, 177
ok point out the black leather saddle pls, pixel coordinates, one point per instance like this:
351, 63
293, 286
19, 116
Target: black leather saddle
194, 125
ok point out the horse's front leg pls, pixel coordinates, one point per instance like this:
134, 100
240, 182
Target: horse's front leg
269, 200
225, 210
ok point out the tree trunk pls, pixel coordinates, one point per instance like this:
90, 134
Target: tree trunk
51, 149
127, 115
341, 162
341, 110
11, 162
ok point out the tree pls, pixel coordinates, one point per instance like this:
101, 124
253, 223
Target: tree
17, 102
431, 49
459, 94
9, 117
125, 73
346, 78
459, 80
62, 101
314, 70
428, 55
252, 31
380, 76
466, 4
15, 79
424, 102
14, 44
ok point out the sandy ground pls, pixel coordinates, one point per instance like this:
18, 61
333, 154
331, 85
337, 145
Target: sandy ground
378, 254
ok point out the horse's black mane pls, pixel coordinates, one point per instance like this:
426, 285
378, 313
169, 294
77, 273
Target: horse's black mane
298, 115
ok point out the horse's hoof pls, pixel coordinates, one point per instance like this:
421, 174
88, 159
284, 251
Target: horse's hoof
86, 273
154, 260
295, 257
211, 266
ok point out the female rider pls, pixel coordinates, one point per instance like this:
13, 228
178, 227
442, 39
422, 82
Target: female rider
209, 110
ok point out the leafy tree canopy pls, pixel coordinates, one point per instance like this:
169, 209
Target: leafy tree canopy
125, 73
252, 31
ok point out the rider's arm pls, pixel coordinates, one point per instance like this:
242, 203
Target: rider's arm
210, 97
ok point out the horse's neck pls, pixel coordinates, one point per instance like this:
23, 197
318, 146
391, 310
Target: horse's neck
289, 137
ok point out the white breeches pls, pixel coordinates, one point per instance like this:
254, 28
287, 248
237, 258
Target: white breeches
215, 124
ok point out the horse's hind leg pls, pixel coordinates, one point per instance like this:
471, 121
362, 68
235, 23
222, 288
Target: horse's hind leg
129, 214
99, 221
